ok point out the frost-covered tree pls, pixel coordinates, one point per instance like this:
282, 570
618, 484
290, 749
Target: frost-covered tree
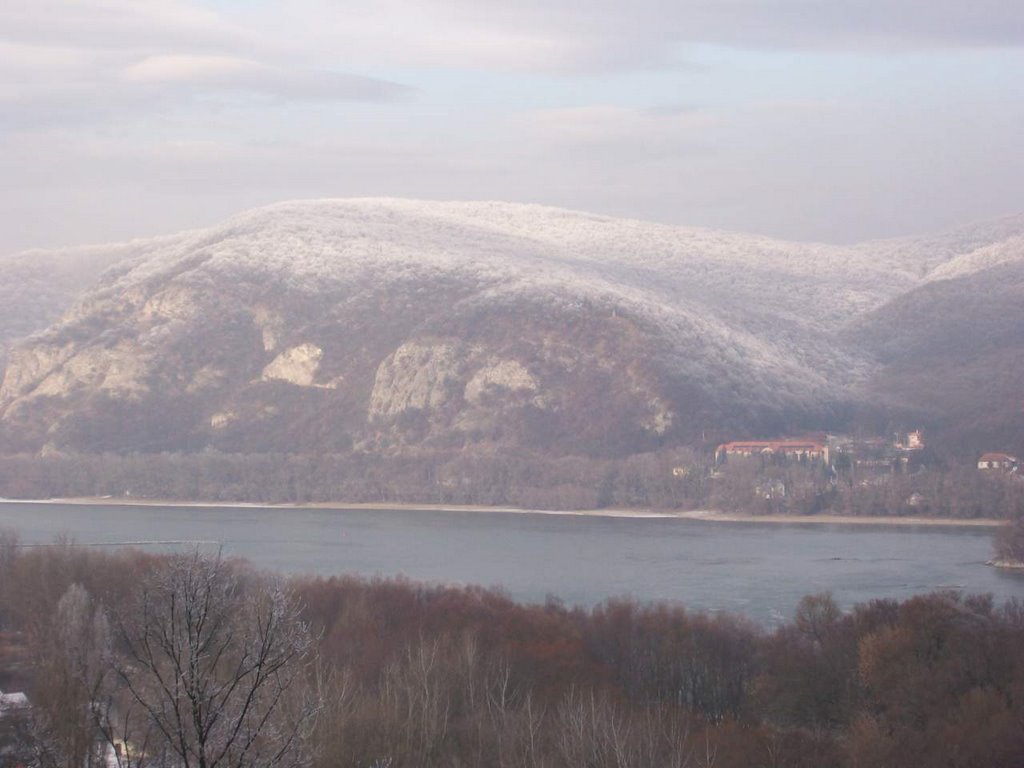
1009, 541
72, 663
218, 665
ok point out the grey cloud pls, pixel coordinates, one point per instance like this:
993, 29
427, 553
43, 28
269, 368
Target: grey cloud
318, 85
671, 110
108, 100
772, 23
116, 24
90, 61
233, 73
606, 35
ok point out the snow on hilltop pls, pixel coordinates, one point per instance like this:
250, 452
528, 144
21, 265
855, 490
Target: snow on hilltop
310, 243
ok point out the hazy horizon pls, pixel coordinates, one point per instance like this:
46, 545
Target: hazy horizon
834, 123
213, 223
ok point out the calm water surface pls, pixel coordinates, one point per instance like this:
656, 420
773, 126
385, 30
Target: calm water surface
760, 570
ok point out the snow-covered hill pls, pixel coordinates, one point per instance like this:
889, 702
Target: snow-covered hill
395, 324
936, 257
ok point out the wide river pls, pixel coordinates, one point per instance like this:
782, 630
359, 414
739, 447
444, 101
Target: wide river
761, 570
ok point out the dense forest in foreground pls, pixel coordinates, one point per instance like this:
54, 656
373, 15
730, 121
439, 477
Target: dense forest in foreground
191, 660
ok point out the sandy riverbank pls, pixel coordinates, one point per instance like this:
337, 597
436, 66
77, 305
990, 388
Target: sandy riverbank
1009, 565
701, 514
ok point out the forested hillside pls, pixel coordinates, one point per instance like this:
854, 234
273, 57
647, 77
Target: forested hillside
952, 353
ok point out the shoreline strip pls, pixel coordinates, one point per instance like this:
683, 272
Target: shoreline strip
703, 515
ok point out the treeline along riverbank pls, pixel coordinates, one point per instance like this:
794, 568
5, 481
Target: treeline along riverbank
673, 479
393, 673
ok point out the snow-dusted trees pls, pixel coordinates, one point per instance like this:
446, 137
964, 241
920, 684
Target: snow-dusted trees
72, 657
1009, 541
196, 665
218, 665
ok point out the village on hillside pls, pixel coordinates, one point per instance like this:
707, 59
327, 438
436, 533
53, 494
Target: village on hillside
812, 471
889, 455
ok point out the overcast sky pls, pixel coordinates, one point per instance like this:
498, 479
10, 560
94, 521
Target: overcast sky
835, 120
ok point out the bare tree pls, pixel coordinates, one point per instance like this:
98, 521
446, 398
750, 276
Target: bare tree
218, 666
1009, 541
8, 556
70, 667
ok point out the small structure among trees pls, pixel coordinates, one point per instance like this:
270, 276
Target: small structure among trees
15, 744
792, 448
12, 703
998, 461
908, 441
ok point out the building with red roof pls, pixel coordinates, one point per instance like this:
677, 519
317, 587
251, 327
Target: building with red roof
793, 448
998, 461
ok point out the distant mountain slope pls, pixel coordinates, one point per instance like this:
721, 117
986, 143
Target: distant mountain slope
404, 326
37, 287
952, 350
936, 257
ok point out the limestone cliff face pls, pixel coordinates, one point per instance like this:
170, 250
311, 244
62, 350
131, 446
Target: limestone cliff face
298, 365
119, 370
418, 375
29, 365
205, 377
498, 377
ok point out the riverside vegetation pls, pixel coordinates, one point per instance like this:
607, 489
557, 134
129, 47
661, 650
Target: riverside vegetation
390, 673
682, 479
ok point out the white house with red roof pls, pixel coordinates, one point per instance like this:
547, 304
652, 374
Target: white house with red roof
998, 461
